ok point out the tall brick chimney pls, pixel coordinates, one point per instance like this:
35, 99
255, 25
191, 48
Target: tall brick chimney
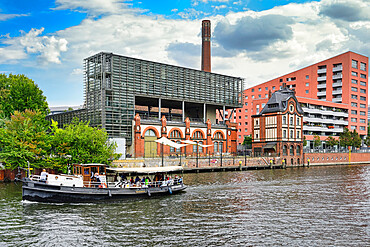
206, 45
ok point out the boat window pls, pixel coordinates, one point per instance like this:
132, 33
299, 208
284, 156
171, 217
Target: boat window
86, 171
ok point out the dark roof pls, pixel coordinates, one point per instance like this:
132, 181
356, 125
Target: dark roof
278, 102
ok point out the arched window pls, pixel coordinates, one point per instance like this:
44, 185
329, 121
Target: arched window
284, 133
291, 120
219, 136
292, 150
150, 133
298, 150
197, 135
284, 150
284, 119
291, 134
175, 134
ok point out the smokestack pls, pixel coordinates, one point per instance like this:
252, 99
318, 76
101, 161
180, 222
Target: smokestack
206, 45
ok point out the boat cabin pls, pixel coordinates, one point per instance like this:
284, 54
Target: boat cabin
88, 171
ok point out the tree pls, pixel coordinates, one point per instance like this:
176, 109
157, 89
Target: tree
304, 141
80, 143
316, 141
24, 138
247, 141
331, 142
18, 93
345, 138
356, 139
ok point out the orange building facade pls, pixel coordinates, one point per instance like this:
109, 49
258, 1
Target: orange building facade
277, 129
333, 94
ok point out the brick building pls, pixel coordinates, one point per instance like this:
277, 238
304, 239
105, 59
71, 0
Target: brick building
333, 94
277, 128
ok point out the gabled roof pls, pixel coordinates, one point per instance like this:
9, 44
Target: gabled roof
278, 102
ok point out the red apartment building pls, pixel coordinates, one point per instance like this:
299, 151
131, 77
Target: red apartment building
333, 94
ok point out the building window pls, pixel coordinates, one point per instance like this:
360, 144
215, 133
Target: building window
354, 89
291, 108
246, 117
363, 76
266, 95
284, 150
362, 83
259, 89
246, 130
263, 105
246, 97
291, 121
246, 103
291, 150
362, 90
362, 98
353, 96
298, 150
284, 133
291, 134
363, 66
354, 73
353, 127
252, 96
362, 127
246, 110
281, 80
257, 109
240, 123
362, 106
284, 119
307, 77
306, 91
298, 134
240, 117
266, 88
273, 88
298, 121
362, 113
354, 81
307, 84
362, 120
354, 120
354, 64
259, 96
353, 112
252, 90
354, 104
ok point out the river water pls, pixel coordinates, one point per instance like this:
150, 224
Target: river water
316, 206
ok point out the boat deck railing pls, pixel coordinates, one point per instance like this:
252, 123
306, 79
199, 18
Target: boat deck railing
127, 184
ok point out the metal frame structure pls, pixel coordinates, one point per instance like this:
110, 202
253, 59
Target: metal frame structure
114, 85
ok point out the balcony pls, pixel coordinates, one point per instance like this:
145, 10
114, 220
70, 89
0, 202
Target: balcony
338, 68
312, 110
336, 92
337, 100
337, 84
321, 71
321, 86
321, 78
323, 93
341, 122
339, 76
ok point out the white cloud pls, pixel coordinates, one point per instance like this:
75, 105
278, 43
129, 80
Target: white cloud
94, 6
48, 49
4, 17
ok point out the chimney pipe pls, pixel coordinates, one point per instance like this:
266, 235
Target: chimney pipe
206, 45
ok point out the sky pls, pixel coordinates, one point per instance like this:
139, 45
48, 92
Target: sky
257, 40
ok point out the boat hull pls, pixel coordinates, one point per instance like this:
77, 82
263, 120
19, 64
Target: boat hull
41, 192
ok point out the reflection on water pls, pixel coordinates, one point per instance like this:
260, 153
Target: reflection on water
317, 206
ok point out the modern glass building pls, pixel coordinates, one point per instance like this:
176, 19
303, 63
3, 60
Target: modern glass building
118, 87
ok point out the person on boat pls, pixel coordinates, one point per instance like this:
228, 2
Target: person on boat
132, 180
43, 176
137, 179
123, 176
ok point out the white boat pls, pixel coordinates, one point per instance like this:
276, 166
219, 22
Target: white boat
97, 182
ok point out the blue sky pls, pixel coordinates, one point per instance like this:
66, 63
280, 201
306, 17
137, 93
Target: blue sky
254, 39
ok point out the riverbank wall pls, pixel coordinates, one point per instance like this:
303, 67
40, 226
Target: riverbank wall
222, 163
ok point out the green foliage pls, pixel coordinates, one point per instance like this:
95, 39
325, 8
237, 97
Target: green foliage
331, 142
348, 138
316, 141
18, 93
79, 143
247, 141
24, 138
356, 139
304, 141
